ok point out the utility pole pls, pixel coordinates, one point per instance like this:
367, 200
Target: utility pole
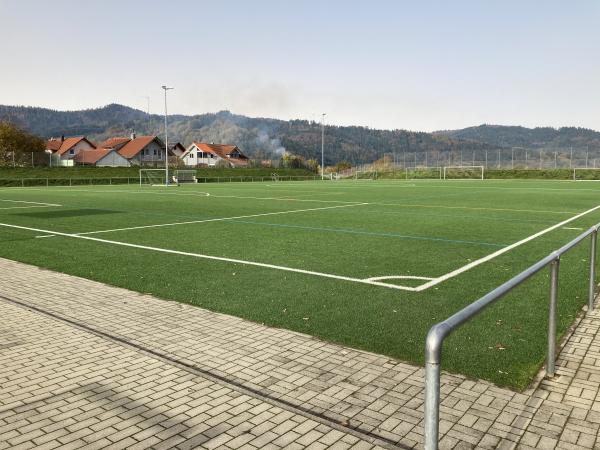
166, 88
323, 145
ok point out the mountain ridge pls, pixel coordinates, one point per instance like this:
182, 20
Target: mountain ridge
267, 138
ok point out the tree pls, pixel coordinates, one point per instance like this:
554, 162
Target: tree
17, 146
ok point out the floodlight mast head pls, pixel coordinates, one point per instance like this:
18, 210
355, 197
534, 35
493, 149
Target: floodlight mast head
166, 88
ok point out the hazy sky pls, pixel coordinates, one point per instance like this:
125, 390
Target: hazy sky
420, 65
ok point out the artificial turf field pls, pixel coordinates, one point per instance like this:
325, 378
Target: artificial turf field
369, 264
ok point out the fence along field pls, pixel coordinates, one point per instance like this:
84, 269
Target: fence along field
371, 265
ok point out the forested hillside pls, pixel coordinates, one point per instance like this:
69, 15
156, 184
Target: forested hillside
264, 138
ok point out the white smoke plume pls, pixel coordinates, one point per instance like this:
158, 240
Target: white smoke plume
270, 145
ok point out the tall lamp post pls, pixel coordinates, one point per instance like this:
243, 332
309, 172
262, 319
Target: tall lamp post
323, 146
166, 88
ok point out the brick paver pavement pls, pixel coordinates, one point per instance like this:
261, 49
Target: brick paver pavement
85, 364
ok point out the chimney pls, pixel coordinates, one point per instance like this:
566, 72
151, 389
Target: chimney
132, 135
62, 138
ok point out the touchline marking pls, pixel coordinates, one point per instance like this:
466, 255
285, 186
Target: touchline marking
500, 252
572, 228
214, 258
30, 206
30, 203
218, 219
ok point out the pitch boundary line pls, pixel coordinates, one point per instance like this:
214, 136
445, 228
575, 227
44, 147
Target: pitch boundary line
218, 219
211, 257
371, 281
491, 256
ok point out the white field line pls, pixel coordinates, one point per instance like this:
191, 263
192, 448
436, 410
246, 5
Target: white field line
22, 207
500, 252
218, 219
474, 208
30, 203
399, 277
290, 199
572, 228
215, 258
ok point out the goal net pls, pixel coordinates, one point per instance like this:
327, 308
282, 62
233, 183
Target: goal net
586, 173
365, 175
463, 172
185, 176
152, 177
425, 173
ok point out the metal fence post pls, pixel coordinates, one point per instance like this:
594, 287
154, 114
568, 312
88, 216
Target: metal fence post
550, 365
594, 238
433, 356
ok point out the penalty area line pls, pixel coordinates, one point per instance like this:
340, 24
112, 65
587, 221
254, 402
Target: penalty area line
214, 258
500, 252
220, 219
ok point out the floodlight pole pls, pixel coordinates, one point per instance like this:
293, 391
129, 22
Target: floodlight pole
323, 146
166, 88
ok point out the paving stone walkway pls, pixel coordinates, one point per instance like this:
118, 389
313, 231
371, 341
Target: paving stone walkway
83, 364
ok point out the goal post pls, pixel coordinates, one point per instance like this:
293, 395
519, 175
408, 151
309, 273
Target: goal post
185, 176
463, 172
365, 175
586, 173
418, 173
152, 177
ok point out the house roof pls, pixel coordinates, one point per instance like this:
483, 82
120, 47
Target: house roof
134, 146
92, 156
114, 142
60, 146
221, 150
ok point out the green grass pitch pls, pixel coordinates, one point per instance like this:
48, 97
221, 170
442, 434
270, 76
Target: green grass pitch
369, 264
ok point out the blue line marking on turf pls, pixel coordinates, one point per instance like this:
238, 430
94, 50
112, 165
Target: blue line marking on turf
371, 233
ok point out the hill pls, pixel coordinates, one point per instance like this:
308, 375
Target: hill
535, 138
265, 138
258, 137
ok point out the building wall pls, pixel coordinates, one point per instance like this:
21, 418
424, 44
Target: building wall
81, 145
113, 159
152, 155
192, 160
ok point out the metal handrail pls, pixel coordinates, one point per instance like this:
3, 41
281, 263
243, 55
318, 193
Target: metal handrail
440, 331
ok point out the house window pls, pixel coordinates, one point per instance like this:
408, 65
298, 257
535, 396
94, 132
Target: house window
154, 152
71, 152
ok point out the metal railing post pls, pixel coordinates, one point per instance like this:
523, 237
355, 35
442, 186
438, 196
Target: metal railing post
433, 356
550, 365
592, 292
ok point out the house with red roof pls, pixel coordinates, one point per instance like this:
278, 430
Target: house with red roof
204, 154
101, 157
138, 150
67, 148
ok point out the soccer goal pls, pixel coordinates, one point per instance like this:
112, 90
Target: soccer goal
152, 177
365, 175
185, 176
586, 173
423, 173
463, 172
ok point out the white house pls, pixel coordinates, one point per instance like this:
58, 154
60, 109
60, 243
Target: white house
101, 157
203, 154
68, 148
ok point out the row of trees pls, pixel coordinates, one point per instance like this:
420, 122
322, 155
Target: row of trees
18, 148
